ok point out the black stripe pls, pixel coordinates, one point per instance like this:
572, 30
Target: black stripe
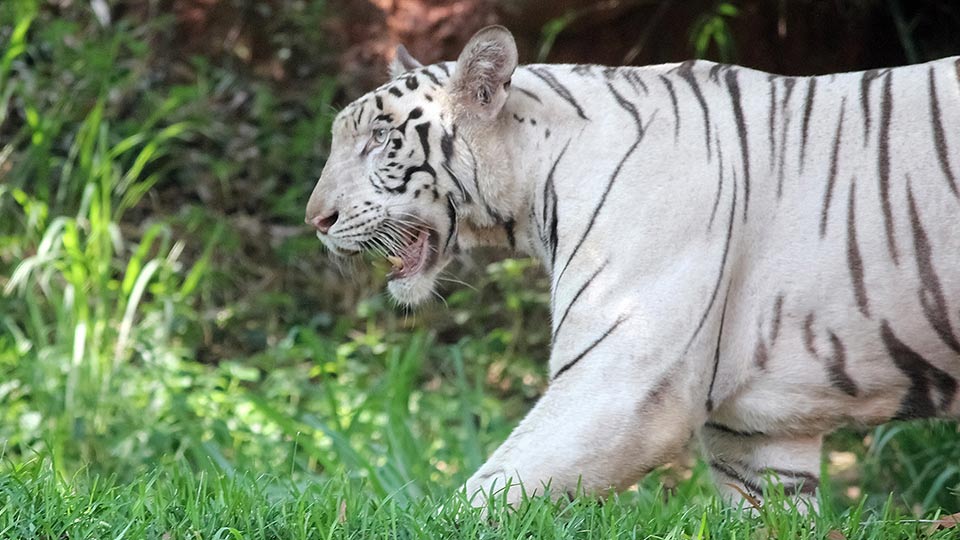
634, 79
865, 80
461, 189
342, 233
734, 88
760, 354
428, 74
550, 198
788, 83
807, 110
854, 260
423, 131
837, 368
655, 400
583, 69
640, 81
804, 482
446, 143
932, 300
791, 474
715, 72
508, 228
676, 108
395, 91
527, 93
751, 486
411, 82
415, 113
559, 88
777, 315
641, 131
939, 138
452, 216
733, 432
686, 71
575, 298
883, 164
723, 265
443, 67
356, 117
716, 353
379, 101
716, 201
809, 339
589, 348
772, 115
446, 148
918, 402
832, 177
408, 175
554, 239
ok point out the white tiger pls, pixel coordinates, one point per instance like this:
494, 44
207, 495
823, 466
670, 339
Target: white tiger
751, 258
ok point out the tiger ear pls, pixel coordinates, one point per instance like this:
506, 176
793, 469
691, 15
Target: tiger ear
402, 62
481, 80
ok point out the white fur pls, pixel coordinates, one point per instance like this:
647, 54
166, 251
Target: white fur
672, 198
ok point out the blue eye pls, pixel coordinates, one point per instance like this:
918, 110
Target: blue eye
380, 135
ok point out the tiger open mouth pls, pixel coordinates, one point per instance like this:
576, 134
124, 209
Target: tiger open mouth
414, 257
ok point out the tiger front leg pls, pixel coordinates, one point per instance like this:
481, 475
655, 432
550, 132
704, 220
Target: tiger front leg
597, 428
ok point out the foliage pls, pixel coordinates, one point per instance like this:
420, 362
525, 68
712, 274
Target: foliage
168, 328
712, 29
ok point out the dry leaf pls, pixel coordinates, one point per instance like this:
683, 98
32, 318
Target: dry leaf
835, 535
948, 522
750, 498
945, 522
342, 512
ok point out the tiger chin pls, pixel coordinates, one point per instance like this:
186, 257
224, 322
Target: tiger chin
745, 259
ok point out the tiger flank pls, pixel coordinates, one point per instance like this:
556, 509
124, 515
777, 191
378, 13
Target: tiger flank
750, 259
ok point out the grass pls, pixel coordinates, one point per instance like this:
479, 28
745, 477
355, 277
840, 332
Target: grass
177, 360
181, 503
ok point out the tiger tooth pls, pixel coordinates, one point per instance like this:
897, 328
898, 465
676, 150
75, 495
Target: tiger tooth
397, 262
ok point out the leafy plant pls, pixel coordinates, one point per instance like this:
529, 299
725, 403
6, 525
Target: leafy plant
711, 32
918, 462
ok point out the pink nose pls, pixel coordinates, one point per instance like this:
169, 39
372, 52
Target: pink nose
323, 224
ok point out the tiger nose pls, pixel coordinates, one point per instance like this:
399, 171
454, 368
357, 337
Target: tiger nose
322, 211
322, 223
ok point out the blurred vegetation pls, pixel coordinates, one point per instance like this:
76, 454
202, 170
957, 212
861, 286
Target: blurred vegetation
162, 305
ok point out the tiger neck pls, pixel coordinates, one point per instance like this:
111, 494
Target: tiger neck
510, 202
492, 205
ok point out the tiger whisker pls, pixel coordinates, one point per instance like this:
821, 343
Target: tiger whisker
443, 276
440, 296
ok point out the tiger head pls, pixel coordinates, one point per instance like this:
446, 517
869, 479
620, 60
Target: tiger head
401, 177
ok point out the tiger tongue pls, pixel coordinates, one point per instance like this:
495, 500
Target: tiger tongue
410, 260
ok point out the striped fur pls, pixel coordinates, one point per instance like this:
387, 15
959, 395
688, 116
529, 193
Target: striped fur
753, 258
